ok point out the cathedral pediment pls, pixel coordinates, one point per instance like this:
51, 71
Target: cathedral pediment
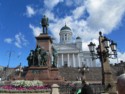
65, 47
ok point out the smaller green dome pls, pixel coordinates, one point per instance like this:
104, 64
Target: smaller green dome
78, 37
65, 28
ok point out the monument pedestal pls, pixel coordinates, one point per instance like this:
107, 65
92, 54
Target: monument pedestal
45, 42
45, 74
40, 62
41, 59
37, 73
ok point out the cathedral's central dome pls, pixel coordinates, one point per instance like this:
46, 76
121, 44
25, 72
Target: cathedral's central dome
65, 28
65, 35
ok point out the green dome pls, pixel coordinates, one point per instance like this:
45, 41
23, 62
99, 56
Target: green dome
78, 37
65, 28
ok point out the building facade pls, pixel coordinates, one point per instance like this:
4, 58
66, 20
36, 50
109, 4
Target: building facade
70, 54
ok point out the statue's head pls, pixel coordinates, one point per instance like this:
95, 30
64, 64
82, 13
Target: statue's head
38, 46
31, 51
44, 16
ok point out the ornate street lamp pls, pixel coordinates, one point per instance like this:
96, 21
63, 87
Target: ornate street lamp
92, 47
82, 71
103, 53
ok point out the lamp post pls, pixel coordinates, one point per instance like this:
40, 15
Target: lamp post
82, 71
19, 71
102, 52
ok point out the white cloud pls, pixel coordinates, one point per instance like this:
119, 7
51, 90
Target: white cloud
68, 2
18, 45
74, 2
8, 40
30, 11
121, 56
59, 23
20, 40
50, 14
79, 28
105, 14
85, 44
36, 30
78, 12
51, 4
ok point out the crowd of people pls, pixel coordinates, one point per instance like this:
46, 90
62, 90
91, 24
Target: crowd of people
86, 89
120, 86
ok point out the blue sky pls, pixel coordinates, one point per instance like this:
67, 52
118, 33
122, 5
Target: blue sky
20, 23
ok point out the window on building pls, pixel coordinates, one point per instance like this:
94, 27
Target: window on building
65, 36
62, 38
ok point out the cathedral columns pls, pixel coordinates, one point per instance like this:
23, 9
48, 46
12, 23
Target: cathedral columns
62, 61
57, 61
78, 60
73, 60
68, 60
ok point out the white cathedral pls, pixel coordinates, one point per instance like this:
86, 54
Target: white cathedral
70, 54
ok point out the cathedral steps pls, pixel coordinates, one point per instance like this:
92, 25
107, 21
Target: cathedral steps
72, 74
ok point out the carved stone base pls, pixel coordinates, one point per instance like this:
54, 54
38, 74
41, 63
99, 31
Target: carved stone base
37, 73
45, 74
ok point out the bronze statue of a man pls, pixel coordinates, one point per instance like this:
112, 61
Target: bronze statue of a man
45, 24
30, 58
44, 58
38, 55
54, 57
